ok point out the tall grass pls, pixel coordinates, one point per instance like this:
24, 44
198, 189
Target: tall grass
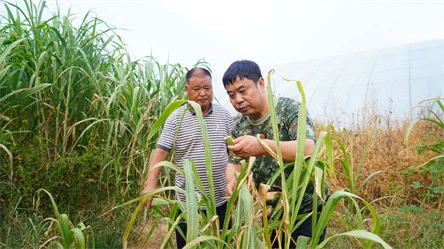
71, 92
67, 234
77, 88
247, 209
403, 194
79, 118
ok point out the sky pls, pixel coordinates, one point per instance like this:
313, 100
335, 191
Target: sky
268, 32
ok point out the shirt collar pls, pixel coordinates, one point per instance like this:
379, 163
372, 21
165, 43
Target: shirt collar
194, 112
260, 120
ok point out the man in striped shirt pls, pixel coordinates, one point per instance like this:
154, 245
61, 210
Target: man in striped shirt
182, 133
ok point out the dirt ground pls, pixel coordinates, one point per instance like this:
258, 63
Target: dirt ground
157, 237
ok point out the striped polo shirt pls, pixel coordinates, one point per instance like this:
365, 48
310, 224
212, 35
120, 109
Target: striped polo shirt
189, 145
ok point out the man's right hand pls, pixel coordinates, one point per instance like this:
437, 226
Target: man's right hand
145, 191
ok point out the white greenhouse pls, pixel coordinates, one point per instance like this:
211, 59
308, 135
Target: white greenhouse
390, 80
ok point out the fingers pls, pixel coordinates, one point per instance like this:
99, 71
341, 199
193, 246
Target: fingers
230, 188
245, 146
235, 148
148, 203
236, 141
149, 200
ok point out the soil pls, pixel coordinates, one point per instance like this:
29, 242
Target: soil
157, 237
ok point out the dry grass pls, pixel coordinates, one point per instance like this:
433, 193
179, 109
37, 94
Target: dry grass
401, 228
386, 151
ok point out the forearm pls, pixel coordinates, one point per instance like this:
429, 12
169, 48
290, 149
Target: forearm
153, 175
154, 172
150, 183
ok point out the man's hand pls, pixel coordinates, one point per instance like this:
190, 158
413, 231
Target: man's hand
246, 146
145, 191
231, 186
151, 181
230, 176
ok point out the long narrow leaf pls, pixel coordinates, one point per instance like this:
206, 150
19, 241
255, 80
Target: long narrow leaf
161, 120
361, 234
192, 217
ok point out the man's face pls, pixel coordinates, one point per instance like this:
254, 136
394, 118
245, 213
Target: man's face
200, 90
247, 98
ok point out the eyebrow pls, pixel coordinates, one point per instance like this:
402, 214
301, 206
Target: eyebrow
206, 86
240, 87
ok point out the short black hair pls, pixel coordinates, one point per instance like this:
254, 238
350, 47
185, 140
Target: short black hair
199, 72
242, 69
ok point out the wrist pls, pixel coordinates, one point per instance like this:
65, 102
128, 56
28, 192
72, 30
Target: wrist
149, 184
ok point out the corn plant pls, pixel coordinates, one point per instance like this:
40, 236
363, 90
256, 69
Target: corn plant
78, 89
251, 225
352, 172
58, 59
67, 235
434, 166
315, 170
6, 137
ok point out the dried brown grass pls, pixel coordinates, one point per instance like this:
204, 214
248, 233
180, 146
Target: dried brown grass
386, 151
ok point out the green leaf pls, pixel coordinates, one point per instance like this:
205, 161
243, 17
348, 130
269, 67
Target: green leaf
416, 185
302, 242
410, 208
161, 120
80, 238
192, 217
360, 234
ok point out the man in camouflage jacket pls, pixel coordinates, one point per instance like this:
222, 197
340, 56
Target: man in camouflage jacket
245, 87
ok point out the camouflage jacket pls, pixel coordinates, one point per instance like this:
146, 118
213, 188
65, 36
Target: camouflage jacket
264, 167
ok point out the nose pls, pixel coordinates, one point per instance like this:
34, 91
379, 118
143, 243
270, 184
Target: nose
202, 92
238, 98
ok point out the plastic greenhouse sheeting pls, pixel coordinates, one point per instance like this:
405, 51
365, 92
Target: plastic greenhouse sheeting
389, 80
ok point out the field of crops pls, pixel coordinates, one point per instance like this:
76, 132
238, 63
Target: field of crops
79, 119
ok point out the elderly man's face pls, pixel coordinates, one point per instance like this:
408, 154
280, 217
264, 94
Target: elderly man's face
200, 90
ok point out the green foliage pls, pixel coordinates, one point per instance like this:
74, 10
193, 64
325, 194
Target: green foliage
251, 226
79, 117
434, 167
68, 234
413, 227
74, 180
410, 208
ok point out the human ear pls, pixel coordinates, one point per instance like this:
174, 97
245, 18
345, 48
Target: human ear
261, 83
